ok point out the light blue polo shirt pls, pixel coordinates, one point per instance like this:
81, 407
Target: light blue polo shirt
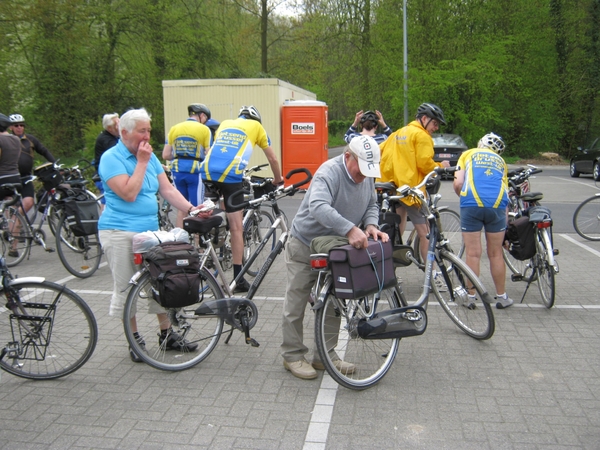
137, 216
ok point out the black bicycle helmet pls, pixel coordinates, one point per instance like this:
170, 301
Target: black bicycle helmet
197, 108
250, 112
432, 111
369, 116
4, 122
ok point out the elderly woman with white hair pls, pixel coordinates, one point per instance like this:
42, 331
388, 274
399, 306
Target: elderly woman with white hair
131, 176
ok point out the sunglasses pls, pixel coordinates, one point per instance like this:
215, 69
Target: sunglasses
19, 125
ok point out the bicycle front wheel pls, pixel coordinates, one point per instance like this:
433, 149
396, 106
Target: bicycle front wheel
51, 333
255, 230
370, 359
471, 314
15, 237
449, 223
586, 219
545, 271
80, 255
199, 333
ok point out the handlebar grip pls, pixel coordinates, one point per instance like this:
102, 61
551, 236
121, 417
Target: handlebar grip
299, 170
235, 195
536, 171
10, 202
445, 170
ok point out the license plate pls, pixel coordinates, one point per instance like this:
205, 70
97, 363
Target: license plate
445, 155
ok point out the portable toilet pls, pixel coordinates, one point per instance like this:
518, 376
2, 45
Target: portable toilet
304, 135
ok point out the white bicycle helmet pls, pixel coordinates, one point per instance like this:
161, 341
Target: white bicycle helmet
250, 112
16, 118
493, 142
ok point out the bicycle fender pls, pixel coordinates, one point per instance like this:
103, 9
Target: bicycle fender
25, 280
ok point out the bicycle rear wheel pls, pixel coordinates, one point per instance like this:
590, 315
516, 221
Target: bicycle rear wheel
372, 358
545, 272
55, 338
80, 255
471, 314
586, 219
255, 230
15, 237
143, 312
522, 269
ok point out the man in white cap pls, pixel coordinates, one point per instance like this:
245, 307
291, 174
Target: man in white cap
340, 198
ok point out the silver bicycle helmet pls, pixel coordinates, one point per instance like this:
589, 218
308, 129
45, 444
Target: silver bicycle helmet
493, 142
16, 118
250, 112
432, 111
197, 108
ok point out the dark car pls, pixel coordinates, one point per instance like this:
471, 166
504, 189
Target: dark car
587, 160
448, 147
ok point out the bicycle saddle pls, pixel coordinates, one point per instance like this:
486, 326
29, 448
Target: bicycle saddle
200, 224
531, 196
388, 186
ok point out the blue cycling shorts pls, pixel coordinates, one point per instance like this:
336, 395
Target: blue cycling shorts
474, 218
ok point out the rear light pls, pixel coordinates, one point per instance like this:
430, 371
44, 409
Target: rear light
318, 263
544, 224
137, 258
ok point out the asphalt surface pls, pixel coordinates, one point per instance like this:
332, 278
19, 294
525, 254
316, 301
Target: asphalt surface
534, 385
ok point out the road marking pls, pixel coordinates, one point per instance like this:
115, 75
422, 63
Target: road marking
576, 182
583, 246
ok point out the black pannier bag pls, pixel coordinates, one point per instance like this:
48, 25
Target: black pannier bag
82, 216
174, 271
360, 272
49, 175
520, 235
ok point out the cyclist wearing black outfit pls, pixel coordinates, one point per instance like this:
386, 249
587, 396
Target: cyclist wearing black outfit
9, 157
29, 144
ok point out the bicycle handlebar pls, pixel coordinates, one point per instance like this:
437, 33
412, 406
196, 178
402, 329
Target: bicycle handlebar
279, 191
15, 198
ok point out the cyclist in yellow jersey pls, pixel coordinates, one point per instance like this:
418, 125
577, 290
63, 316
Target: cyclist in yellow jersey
481, 182
407, 157
224, 166
187, 144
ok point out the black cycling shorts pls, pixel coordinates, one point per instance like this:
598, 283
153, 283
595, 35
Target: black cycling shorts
227, 190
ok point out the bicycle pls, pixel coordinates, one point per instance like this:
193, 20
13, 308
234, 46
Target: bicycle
47, 331
256, 221
370, 328
202, 323
80, 253
542, 267
448, 220
586, 219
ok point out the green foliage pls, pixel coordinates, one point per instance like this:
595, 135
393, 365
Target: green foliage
336, 141
338, 127
528, 70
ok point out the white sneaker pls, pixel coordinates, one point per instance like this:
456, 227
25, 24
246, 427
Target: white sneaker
504, 302
301, 369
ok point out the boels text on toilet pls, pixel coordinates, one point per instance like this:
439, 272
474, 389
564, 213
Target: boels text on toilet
303, 128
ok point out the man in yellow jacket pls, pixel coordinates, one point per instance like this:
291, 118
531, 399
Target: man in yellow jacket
407, 157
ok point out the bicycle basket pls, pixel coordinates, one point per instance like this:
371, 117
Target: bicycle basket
49, 175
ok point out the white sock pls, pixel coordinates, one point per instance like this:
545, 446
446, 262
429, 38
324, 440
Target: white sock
504, 296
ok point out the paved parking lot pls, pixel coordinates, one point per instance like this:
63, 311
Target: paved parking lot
534, 385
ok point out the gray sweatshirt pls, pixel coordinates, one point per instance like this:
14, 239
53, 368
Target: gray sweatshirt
334, 203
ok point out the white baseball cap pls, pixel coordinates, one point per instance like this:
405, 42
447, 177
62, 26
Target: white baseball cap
367, 151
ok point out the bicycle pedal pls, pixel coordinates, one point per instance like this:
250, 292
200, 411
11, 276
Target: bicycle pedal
555, 251
50, 250
516, 277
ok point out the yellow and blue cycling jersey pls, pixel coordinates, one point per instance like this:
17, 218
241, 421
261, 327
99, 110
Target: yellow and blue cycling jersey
230, 153
486, 183
190, 140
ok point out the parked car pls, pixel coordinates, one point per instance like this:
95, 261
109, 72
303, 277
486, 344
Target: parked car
448, 147
586, 161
